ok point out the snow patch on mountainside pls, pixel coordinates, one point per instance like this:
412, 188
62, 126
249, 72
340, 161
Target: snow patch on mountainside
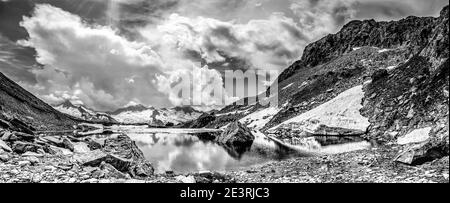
259, 119
73, 111
416, 136
341, 112
287, 86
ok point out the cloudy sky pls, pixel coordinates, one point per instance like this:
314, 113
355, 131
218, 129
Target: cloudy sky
108, 53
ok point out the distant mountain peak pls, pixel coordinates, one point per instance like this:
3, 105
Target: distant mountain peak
186, 109
131, 107
133, 104
67, 104
83, 112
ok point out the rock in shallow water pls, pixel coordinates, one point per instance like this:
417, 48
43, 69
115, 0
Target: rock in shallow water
236, 136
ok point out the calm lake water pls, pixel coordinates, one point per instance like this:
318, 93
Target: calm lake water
181, 151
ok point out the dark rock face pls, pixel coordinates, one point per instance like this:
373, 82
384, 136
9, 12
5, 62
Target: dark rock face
236, 137
412, 32
22, 127
379, 74
437, 48
415, 96
203, 121
18, 126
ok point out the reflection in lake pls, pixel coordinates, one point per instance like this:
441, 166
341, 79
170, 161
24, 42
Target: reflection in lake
180, 150
185, 153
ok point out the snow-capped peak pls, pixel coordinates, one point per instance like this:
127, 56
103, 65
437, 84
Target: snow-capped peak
83, 112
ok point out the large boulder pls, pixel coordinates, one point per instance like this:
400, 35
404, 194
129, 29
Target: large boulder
236, 137
123, 146
95, 158
419, 147
4, 146
121, 153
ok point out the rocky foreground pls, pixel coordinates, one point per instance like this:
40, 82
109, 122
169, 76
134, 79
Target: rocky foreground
75, 158
357, 167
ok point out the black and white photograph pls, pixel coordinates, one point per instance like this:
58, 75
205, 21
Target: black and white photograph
198, 92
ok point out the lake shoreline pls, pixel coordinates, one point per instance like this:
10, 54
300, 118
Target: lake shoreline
353, 167
371, 166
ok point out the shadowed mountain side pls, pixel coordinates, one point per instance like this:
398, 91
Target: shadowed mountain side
16, 102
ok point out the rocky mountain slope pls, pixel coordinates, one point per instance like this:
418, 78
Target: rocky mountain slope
83, 112
19, 106
384, 81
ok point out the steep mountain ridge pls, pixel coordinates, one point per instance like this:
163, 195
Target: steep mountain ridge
412, 32
17, 103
